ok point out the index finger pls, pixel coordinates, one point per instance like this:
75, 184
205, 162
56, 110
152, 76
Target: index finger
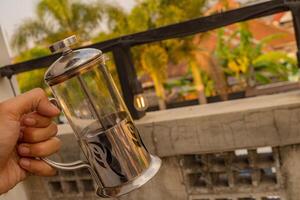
34, 100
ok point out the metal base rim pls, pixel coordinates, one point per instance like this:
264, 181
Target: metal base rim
134, 184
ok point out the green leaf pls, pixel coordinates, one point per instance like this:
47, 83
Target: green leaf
260, 78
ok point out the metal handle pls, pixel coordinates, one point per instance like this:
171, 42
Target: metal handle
73, 166
67, 166
54, 102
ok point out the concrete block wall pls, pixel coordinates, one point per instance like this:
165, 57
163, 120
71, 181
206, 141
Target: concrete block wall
224, 175
229, 175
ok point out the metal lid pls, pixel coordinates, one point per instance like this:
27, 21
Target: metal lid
63, 45
71, 62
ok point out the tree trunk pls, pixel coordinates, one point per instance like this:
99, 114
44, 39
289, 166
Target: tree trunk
208, 64
160, 93
198, 82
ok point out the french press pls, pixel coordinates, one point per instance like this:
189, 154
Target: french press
84, 89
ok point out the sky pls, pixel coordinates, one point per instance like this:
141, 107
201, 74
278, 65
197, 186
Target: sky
13, 12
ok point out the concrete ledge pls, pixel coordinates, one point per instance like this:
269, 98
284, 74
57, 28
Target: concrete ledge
271, 120
233, 106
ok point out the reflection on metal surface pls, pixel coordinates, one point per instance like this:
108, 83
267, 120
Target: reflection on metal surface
117, 154
143, 178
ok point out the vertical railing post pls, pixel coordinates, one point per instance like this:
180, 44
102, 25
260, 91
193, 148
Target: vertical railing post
127, 76
294, 6
8, 85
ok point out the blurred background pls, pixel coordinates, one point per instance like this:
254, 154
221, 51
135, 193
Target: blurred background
246, 149
202, 68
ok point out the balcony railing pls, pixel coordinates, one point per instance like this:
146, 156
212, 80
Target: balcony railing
120, 47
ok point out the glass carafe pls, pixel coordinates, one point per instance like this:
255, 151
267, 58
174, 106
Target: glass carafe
84, 89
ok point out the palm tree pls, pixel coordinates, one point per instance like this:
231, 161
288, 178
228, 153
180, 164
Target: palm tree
57, 19
153, 59
203, 60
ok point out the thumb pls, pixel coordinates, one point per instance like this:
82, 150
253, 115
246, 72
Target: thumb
34, 100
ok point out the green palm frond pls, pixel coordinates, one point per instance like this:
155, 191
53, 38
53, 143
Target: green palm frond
29, 30
57, 19
85, 17
58, 10
154, 60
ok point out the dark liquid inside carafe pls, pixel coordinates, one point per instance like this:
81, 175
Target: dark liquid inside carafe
107, 122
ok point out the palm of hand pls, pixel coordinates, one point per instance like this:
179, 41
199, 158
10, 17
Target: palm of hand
11, 172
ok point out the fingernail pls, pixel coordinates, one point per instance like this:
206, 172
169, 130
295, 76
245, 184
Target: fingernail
21, 135
23, 150
29, 121
24, 162
55, 107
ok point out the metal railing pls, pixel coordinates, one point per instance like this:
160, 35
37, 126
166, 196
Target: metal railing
120, 47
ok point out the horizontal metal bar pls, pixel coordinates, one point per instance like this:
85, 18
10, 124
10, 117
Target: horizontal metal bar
181, 29
198, 25
205, 24
29, 65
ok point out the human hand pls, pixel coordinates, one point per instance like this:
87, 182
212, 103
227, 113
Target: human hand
26, 132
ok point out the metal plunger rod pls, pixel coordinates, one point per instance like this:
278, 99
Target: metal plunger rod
110, 86
91, 101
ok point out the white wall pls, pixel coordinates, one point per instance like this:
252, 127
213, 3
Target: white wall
18, 193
